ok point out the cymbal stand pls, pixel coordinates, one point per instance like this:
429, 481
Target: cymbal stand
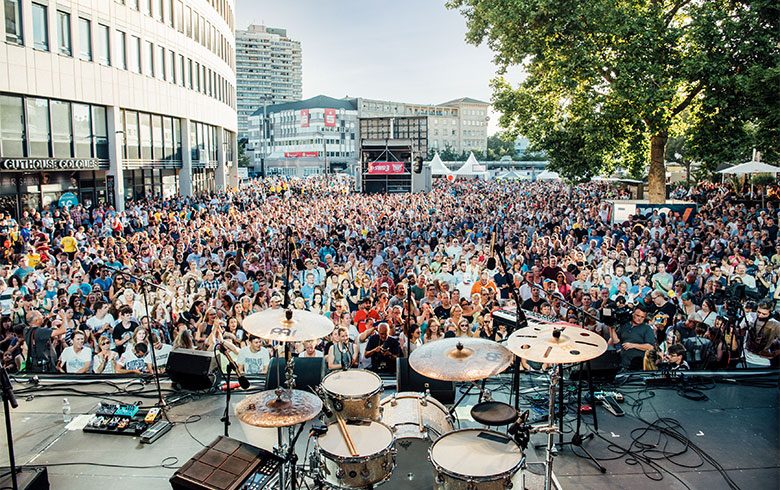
550, 429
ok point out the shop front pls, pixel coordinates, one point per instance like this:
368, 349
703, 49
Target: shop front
33, 184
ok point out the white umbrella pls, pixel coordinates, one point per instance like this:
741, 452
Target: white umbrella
751, 168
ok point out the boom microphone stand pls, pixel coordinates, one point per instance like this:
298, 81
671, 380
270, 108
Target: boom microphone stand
144, 283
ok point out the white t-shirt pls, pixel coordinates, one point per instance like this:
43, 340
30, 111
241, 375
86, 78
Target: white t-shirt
96, 323
316, 354
72, 362
130, 362
253, 362
161, 355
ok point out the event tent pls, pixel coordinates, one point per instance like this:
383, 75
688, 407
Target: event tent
471, 168
548, 175
438, 167
512, 175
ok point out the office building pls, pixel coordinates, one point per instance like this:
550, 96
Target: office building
113, 100
306, 137
268, 70
459, 124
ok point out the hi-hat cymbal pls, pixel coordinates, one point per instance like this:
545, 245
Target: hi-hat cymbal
541, 343
278, 408
288, 325
460, 359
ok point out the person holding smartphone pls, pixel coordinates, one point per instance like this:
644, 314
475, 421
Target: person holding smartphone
383, 350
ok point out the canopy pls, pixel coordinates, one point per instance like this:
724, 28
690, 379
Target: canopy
548, 175
471, 167
438, 167
751, 168
512, 175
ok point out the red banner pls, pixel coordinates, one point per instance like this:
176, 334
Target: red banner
385, 168
301, 154
304, 118
330, 118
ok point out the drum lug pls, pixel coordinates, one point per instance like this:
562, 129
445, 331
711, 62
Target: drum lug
439, 479
369, 405
394, 400
339, 473
365, 473
338, 406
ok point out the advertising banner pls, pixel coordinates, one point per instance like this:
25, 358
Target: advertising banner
330, 118
301, 154
385, 168
305, 118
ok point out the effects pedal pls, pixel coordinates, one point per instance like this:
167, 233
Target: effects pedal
610, 404
155, 432
152, 415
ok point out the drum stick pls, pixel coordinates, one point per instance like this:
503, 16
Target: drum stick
345, 434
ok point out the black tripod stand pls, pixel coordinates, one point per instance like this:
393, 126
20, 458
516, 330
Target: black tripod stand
577, 439
9, 401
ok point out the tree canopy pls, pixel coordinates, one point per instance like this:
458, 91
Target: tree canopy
607, 82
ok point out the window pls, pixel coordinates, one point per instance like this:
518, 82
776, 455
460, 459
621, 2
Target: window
61, 129
168, 144
63, 33
145, 135
104, 45
177, 139
191, 73
13, 21
38, 127
11, 126
131, 135
85, 39
135, 54
168, 13
157, 137
159, 63
82, 131
188, 22
149, 59
182, 71
40, 27
100, 132
178, 15
121, 49
171, 67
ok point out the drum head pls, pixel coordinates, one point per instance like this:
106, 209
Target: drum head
477, 453
351, 383
368, 438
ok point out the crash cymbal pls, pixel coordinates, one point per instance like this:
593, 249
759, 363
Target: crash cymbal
288, 325
560, 343
460, 359
278, 408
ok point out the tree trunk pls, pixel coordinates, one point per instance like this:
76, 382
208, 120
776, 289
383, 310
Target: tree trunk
656, 176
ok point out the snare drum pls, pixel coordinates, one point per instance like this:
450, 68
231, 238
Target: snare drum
476, 459
417, 420
374, 463
354, 393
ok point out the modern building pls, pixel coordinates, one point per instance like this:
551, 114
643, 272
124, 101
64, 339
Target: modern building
306, 137
113, 100
268, 70
459, 124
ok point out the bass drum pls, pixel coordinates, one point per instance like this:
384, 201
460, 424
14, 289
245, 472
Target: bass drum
476, 459
417, 421
373, 464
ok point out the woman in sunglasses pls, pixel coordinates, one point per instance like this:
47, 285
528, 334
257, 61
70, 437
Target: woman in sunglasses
103, 361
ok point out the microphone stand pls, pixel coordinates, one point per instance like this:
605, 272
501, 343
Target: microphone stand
9, 401
144, 283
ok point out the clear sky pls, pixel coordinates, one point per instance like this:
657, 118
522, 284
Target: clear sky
401, 50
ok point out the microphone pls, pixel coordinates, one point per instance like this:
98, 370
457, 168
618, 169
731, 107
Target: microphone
242, 380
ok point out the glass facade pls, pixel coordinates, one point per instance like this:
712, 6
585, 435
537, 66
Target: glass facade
151, 138
150, 183
49, 128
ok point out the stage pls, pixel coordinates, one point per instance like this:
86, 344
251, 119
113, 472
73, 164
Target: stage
736, 426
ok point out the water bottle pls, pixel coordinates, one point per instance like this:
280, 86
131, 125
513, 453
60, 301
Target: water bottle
66, 417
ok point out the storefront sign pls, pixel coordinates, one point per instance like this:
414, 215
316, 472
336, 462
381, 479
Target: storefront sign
110, 196
68, 199
49, 164
385, 168
304, 118
301, 154
330, 118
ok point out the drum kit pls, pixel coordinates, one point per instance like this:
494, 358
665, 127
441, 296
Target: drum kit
408, 439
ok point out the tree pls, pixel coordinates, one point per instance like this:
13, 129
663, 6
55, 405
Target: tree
499, 145
243, 158
609, 81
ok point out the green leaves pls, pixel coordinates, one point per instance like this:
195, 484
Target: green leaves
606, 75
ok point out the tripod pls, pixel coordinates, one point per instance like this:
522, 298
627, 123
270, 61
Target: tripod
577, 439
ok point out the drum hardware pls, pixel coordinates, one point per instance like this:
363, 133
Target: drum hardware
355, 394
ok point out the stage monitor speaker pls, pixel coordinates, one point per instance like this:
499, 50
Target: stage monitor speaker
191, 369
308, 371
27, 477
407, 379
603, 368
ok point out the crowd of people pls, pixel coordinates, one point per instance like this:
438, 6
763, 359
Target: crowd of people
99, 291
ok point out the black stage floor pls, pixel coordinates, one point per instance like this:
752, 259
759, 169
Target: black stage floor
736, 426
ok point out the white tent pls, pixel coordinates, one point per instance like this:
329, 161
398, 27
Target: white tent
471, 168
548, 175
438, 167
512, 175
751, 168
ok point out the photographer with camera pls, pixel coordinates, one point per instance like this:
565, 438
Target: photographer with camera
383, 350
633, 339
763, 338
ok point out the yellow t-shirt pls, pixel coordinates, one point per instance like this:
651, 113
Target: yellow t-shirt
69, 244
